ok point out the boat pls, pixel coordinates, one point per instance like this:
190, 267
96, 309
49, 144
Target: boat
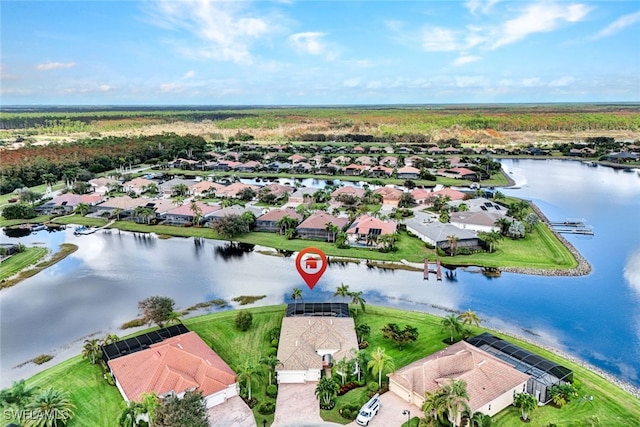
78, 231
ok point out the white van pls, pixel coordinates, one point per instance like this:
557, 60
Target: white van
368, 410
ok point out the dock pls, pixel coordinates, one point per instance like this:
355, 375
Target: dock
437, 270
571, 226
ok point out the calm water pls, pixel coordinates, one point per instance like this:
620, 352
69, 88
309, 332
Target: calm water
596, 318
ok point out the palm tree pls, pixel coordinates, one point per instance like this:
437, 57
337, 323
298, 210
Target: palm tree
174, 317
270, 362
332, 229
469, 317
297, 293
452, 240
131, 413
478, 419
180, 190
247, 375
388, 240
197, 213
531, 219
91, 350
290, 233
457, 399
434, 406
109, 339
526, 402
326, 390
287, 223
491, 238
452, 324
379, 362
150, 402
498, 195
357, 299
342, 291
503, 223
50, 408
82, 208
19, 394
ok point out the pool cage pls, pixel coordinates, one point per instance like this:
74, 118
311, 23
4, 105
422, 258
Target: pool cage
330, 309
544, 373
140, 342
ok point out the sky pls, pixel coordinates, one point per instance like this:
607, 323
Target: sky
332, 52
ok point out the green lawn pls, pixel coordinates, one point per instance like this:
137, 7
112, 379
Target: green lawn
20, 261
98, 404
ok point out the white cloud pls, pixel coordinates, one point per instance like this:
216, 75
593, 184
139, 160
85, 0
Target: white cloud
539, 18
104, 88
354, 82
618, 25
467, 59
312, 43
225, 29
480, 6
189, 74
562, 81
438, 39
55, 65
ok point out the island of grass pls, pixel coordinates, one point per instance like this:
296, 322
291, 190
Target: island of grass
20, 263
100, 404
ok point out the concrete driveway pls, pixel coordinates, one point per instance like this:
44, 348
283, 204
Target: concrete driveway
390, 413
297, 406
232, 413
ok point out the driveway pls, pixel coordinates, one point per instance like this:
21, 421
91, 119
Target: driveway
390, 413
297, 406
232, 413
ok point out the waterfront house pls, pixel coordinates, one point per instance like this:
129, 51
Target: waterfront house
390, 195
103, 185
174, 366
302, 195
233, 190
366, 230
315, 227
185, 214
278, 190
269, 220
311, 340
348, 190
204, 188
167, 188
380, 172
491, 383
66, 203
354, 169
408, 172
437, 234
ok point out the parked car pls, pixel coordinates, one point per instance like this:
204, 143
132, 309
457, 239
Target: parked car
368, 410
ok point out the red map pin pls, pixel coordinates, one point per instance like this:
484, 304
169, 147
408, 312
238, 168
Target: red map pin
311, 264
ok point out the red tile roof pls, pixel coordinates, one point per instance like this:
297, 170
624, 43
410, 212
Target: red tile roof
365, 223
187, 211
175, 364
319, 220
278, 214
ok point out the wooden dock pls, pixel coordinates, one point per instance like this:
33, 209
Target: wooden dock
571, 226
437, 270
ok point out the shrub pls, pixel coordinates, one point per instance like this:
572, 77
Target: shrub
273, 334
328, 406
272, 351
243, 320
274, 343
272, 390
372, 386
19, 211
347, 387
349, 411
267, 408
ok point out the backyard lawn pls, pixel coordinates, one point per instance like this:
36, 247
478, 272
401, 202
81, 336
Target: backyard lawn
98, 404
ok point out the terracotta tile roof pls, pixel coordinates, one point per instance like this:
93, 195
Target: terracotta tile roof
365, 223
278, 214
296, 158
319, 220
277, 190
232, 190
138, 183
124, 202
487, 377
185, 210
384, 169
453, 194
409, 169
202, 186
388, 193
175, 364
301, 338
354, 191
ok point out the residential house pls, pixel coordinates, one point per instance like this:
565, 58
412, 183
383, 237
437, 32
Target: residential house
391, 161
269, 220
278, 190
340, 160
233, 210
435, 150
66, 203
380, 172
103, 185
412, 160
278, 166
315, 227
185, 213
137, 185
476, 221
122, 205
250, 166
174, 366
302, 195
408, 172
167, 187
364, 160
349, 190
303, 167
459, 173
366, 230
204, 188
233, 190
358, 149
354, 170
480, 204
308, 344
491, 383
295, 158
390, 195
437, 234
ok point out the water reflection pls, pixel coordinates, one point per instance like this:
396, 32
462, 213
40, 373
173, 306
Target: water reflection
231, 250
632, 272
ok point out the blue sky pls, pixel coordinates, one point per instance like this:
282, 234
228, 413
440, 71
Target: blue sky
318, 52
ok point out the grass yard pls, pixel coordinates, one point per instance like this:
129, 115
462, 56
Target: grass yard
98, 404
18, 262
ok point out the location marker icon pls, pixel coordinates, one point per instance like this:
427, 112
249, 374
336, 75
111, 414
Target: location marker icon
311, 264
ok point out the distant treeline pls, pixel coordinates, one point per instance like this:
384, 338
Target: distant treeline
29, 166
386, 120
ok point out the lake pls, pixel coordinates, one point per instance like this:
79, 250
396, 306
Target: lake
595, 318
